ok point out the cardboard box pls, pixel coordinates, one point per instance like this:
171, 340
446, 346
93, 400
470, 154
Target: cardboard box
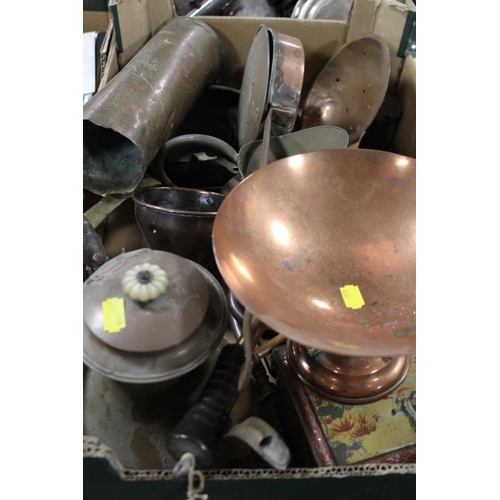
100, 21
135, 22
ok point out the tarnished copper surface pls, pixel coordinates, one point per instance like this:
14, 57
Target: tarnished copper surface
289, 236
125, 123
350, 89
348, 379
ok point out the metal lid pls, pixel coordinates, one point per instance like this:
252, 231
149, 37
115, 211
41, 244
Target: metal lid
254, 87
167, 364
129, 325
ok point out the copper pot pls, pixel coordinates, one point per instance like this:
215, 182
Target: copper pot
150, 317
178, 220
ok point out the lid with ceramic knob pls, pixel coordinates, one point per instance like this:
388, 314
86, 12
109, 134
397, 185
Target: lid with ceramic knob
144, 301
150, 315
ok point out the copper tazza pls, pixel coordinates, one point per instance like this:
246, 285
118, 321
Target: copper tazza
351, 87
296, 232
292, 234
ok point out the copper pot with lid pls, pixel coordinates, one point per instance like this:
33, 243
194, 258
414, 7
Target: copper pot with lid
150, 316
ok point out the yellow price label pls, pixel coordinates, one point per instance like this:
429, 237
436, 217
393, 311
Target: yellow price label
352, 296
113, 313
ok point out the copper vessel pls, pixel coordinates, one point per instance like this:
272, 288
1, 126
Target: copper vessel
125, 124
178, 220
295, 235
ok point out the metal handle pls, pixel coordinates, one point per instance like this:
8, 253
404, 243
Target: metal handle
202, 427
198, 140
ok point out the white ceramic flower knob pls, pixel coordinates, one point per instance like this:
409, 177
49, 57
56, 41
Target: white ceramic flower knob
145, 282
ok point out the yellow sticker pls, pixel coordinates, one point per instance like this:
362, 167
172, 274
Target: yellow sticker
113, 313
352, 297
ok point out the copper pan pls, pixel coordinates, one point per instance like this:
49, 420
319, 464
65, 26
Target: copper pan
293, 234
350, 89
272, 80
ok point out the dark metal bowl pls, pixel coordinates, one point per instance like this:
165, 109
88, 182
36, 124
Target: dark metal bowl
178, 220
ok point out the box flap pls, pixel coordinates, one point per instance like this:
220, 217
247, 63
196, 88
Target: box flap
389, 19
134, 23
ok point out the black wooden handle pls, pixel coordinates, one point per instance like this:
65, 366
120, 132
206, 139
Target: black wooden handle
201, 428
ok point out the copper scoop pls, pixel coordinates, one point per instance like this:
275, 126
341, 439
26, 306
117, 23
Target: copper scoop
350, 89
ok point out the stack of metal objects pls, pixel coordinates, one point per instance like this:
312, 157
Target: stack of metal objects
267, 223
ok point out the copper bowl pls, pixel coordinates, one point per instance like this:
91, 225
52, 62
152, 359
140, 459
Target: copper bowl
178, 220
292, 235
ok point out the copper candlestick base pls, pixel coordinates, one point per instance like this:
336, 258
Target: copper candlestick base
347, 379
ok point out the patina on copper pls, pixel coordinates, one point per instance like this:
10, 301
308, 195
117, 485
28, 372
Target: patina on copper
292, 234
126, 123
350, 89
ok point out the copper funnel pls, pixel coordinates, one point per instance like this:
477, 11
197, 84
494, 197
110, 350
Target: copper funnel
295, 238
351, 87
